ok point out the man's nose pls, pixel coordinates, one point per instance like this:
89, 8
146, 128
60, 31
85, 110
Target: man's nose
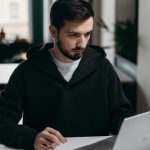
82, 41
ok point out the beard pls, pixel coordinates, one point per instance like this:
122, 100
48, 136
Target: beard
75, 56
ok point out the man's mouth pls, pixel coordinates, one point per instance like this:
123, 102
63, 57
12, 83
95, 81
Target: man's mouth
78, 51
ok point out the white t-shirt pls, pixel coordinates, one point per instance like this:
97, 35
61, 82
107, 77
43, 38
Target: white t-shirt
66, 69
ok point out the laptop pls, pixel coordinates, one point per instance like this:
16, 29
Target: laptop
134, 134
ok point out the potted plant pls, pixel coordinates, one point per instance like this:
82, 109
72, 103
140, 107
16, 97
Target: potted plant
125, 38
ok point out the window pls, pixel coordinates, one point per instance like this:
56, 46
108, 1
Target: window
14, 19
126, 29
13, 10
126, 36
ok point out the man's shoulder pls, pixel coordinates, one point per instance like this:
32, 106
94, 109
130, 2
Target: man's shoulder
98, 49
39, 47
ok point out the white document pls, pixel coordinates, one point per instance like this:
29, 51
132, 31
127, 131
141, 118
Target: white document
76, 142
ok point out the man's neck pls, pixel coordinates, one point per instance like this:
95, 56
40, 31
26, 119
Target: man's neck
58, 55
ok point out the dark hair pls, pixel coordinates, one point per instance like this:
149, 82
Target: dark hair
69, 10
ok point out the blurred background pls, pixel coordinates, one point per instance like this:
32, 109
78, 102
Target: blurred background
121, 27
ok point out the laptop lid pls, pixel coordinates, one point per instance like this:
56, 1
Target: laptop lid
134, 133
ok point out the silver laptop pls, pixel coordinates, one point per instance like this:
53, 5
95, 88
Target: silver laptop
134, 134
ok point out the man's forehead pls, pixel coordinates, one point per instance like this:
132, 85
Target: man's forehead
79, 27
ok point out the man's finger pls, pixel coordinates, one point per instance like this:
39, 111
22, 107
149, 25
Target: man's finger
57, 134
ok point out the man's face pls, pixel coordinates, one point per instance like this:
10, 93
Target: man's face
73, 38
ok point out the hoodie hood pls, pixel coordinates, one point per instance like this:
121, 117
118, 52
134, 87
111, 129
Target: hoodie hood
40, 56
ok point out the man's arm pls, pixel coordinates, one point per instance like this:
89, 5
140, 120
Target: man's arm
11, 109
120, 106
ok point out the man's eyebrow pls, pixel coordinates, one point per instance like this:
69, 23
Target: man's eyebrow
90, 31
73, 32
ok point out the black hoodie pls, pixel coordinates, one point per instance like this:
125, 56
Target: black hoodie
90, 104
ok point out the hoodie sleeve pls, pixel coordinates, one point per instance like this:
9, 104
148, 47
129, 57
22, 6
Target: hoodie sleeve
120, 106
11, 109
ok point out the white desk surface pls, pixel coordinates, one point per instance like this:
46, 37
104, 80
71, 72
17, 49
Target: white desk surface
72, 143
5, 72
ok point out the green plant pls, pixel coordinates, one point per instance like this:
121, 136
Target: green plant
125, 37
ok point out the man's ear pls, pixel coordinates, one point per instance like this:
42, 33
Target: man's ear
53, 31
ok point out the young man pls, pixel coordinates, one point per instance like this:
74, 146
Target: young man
64, 89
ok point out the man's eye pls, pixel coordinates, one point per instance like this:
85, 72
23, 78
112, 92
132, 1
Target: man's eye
74, 35
88, 34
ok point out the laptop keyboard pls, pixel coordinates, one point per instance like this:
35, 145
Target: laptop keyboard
106, 144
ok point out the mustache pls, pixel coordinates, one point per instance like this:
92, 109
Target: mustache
78, 48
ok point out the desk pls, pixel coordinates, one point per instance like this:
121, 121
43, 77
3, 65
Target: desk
5, 72
72, 143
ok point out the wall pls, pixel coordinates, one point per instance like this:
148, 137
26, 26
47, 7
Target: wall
125, 9
101, 36
96, 30
143, 75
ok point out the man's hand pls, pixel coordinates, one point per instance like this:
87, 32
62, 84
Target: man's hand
48, 139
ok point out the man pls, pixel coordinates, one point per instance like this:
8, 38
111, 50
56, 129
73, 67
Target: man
64, 89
